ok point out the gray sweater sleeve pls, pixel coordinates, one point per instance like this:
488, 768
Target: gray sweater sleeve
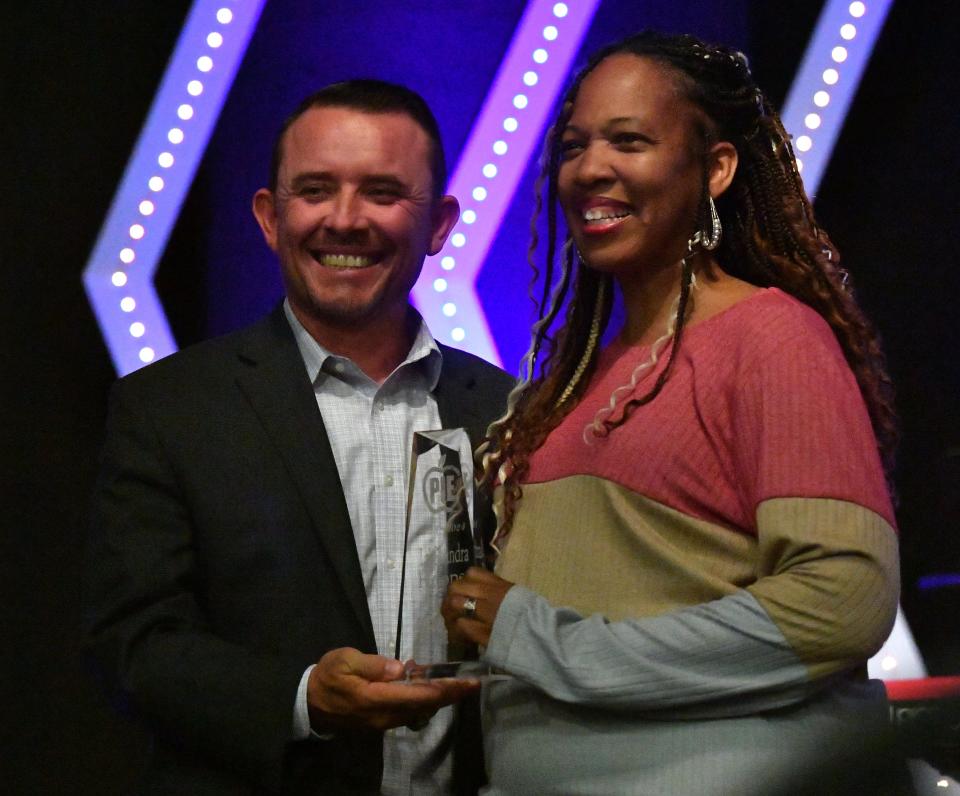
721, 658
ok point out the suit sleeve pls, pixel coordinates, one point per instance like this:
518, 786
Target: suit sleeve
826, 593
144, 619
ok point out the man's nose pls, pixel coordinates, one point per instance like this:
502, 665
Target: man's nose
593, 165
345, 214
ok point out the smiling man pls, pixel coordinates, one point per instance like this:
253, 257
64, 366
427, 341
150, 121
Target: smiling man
248, 522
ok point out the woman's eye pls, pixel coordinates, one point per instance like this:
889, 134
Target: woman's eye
628, 141
570, 147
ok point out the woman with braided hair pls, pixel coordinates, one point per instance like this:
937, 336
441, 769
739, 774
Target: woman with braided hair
697, 551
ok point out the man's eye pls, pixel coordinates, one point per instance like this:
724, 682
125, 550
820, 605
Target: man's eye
384, 195
314, 191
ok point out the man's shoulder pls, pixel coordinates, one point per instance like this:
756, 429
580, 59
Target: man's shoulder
208, 360
457, 361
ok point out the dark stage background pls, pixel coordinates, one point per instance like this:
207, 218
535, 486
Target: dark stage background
77, 81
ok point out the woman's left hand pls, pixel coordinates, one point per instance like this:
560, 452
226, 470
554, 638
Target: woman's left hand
471, 605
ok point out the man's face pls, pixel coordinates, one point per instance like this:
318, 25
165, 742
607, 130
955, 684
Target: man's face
353, 215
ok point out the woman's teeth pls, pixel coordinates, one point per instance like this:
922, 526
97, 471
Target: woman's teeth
604, 214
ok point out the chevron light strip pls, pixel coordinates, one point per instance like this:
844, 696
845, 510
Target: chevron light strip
492, 164
119, 274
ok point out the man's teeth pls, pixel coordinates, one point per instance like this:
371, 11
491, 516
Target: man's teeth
604, 214
345, 260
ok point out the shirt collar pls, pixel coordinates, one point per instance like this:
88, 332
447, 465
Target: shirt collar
424, 355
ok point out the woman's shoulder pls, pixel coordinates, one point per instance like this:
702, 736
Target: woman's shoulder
768, 321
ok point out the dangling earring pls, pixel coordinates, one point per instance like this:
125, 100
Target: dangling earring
709, 239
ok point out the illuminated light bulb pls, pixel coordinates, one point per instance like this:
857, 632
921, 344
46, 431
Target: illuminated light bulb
821, 99
136, 231
469, 216
155, 183
119, 278
137, 329
447, 263
510, 124
812, 121
540, 55
214, 40
128, 304
224, 16
146, 208
204, 63
165, 159
194, 88
804, 142
449, 309
479, 193
457, 334
500, 147
127, 256
839, 54
889, 663
440, 284
943, 783
830, 76
489, 171
175, 136
848, 31
560, 10
530, 78
520, 101
550, 33
185, 111
799, 165
147, 354
458, 239
857, 9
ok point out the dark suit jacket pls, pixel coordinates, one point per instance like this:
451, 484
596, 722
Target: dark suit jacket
222, 561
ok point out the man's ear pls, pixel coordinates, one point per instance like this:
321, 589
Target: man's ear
446, 212
265, 211
722, 160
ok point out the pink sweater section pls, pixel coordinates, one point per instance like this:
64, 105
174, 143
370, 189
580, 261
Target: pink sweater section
760, 404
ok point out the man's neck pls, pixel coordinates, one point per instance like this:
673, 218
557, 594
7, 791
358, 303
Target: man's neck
375, 346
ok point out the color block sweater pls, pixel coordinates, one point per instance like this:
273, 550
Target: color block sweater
699, 590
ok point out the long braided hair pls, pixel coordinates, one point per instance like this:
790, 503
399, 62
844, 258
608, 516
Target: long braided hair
771, 238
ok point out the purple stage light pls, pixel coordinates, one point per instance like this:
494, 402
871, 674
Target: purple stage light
119, 274
827, 80
492, 163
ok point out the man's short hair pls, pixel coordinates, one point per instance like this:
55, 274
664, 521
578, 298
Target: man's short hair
371, 96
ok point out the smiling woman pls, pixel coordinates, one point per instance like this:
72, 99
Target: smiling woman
697, 545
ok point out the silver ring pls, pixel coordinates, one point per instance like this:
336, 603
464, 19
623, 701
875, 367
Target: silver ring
469, 607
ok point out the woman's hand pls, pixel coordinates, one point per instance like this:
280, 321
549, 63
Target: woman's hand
470, 607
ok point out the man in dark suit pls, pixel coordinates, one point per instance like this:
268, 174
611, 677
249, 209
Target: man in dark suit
249, 511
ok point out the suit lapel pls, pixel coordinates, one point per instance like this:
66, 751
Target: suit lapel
460, 398
275, 382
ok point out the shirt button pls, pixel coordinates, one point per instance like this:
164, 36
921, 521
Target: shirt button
391, 563
388, 481
339, 367
379, 405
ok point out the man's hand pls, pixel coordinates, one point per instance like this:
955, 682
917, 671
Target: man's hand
348, 689
482, 590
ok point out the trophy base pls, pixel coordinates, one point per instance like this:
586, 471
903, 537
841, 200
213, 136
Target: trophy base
453, 670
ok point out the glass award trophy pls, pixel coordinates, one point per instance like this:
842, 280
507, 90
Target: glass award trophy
440, 502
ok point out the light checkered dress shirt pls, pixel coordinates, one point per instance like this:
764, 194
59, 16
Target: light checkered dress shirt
370, 428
